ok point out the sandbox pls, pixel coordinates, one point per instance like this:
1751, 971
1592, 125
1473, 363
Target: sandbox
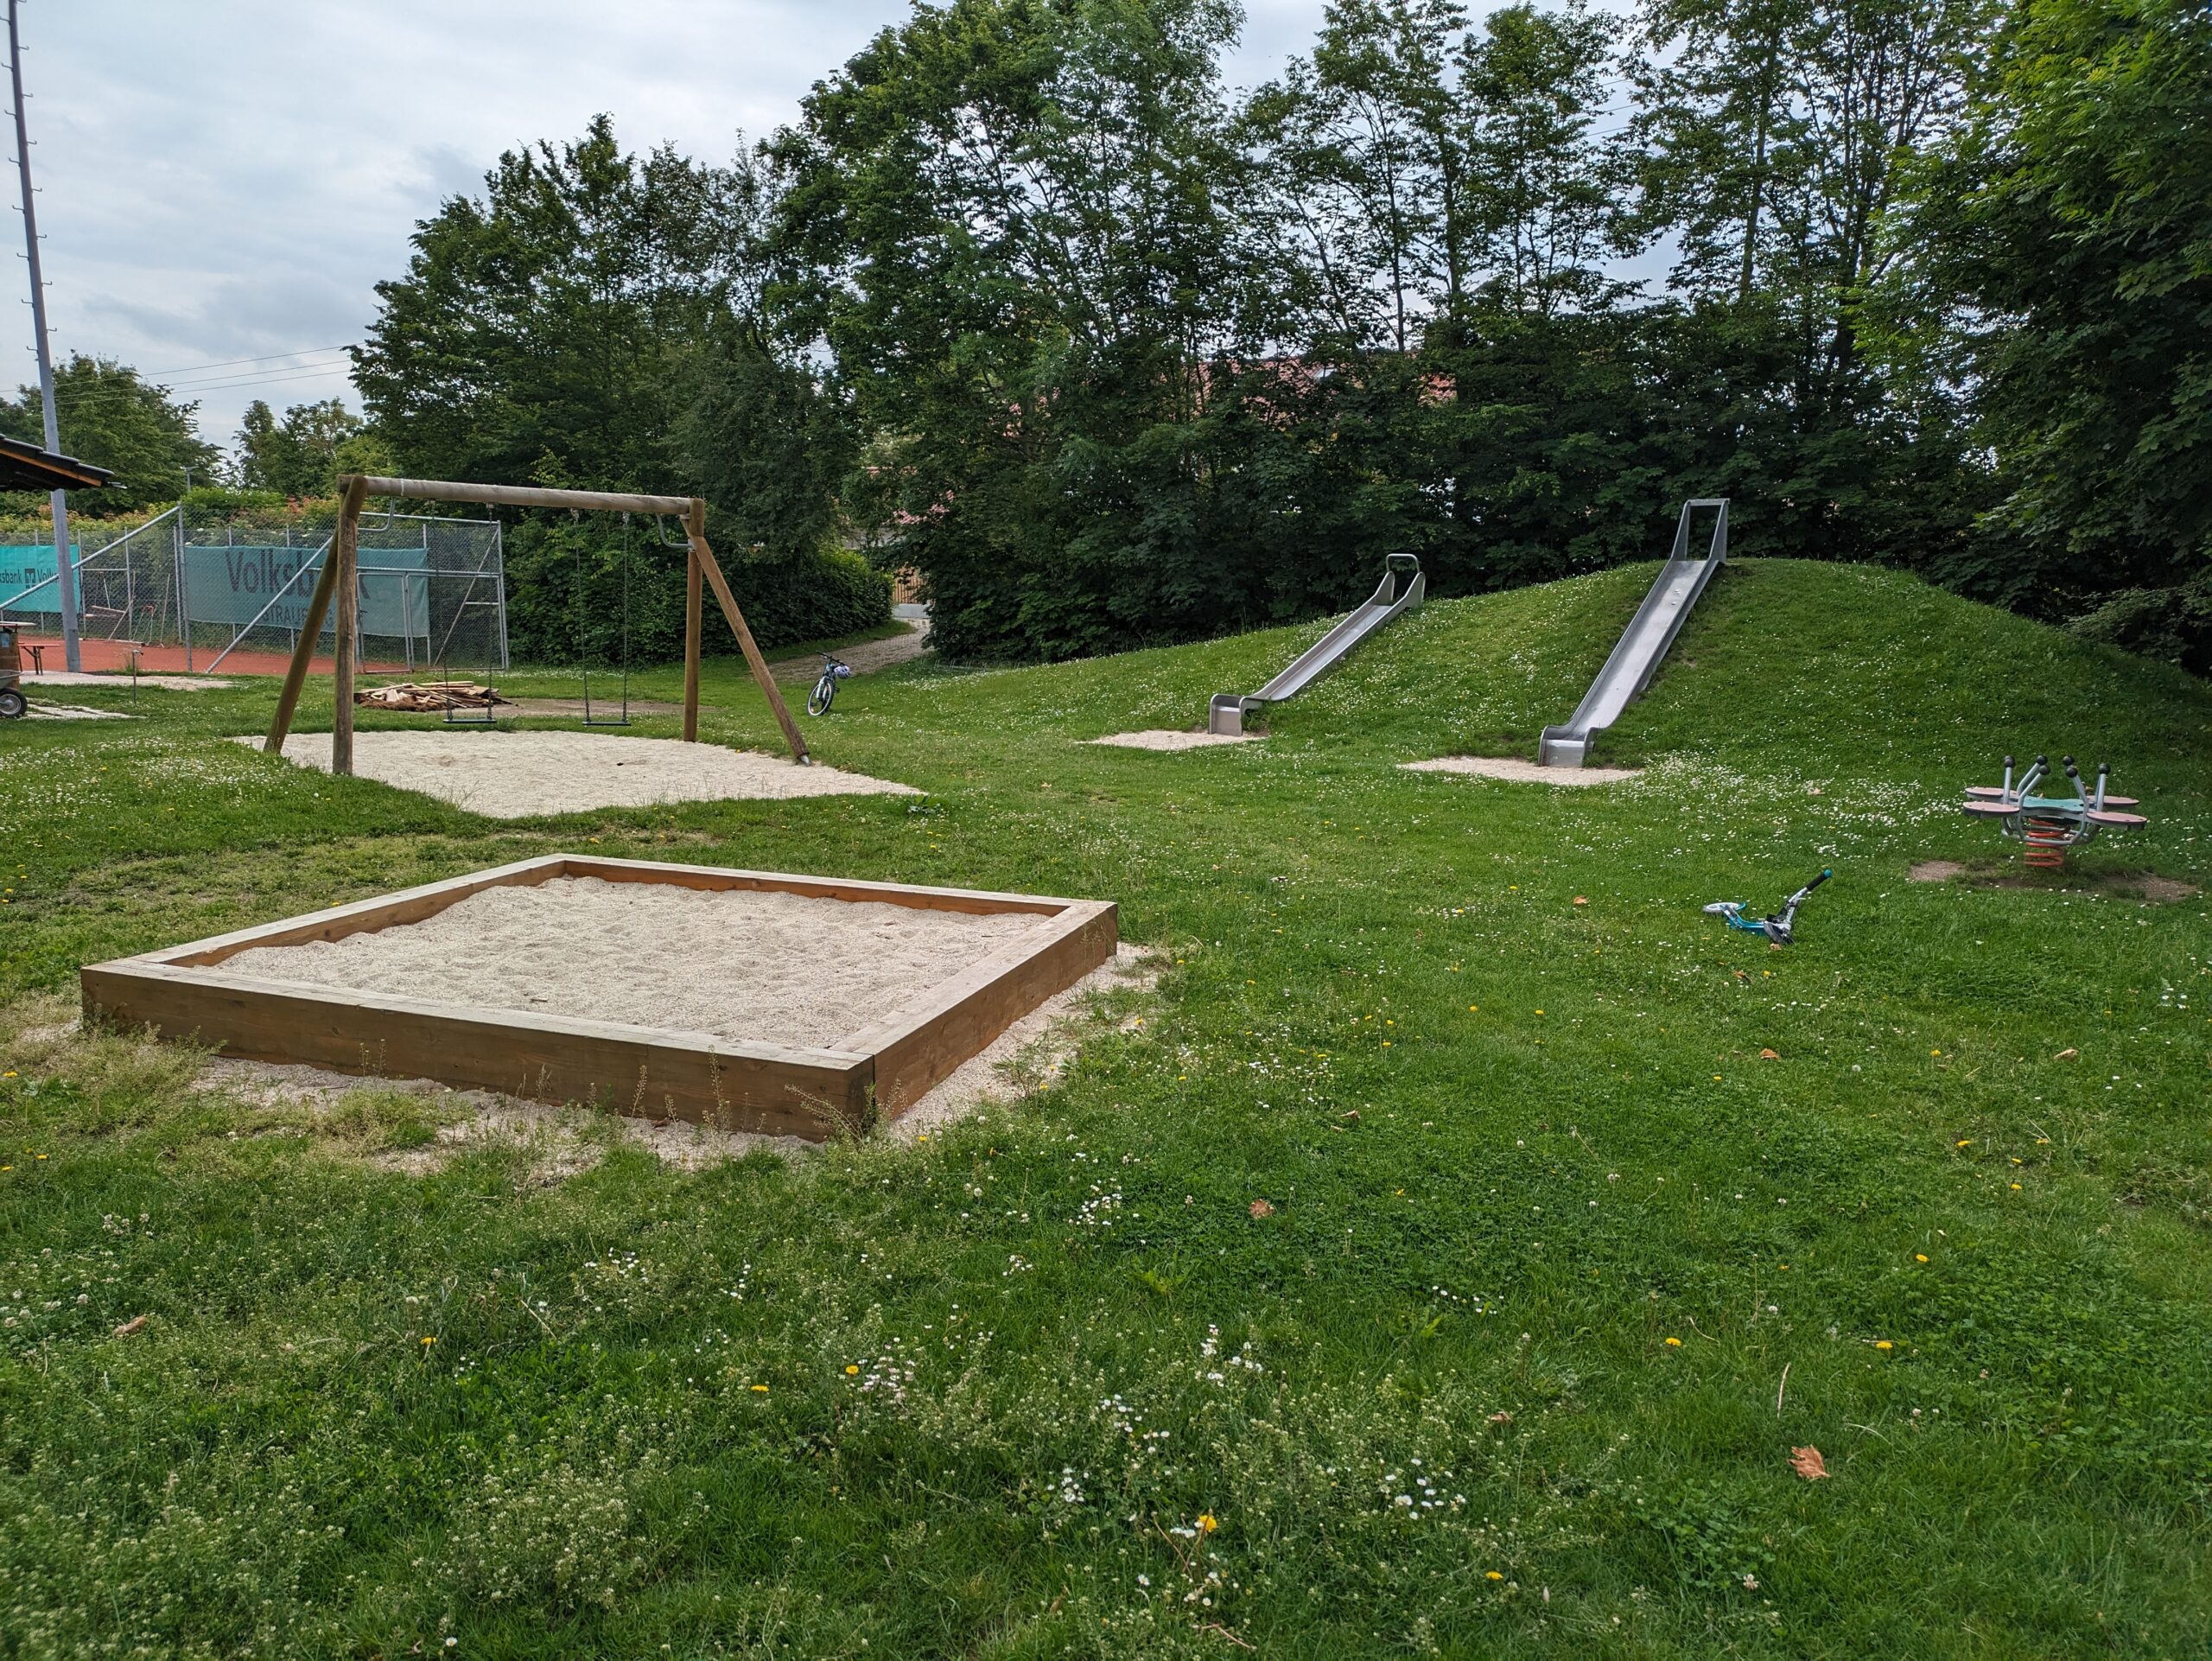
515, 775
745, 1000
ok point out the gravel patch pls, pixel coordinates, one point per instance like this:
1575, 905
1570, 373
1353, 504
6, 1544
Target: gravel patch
1521, 773
122, 683
1160, 738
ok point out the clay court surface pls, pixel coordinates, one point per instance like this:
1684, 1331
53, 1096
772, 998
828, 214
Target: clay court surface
764, 966
114, 656
1516, 771
515, 775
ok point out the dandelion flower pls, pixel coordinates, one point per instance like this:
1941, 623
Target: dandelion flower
1206, 1523
850, 1370
427, 1341
1920, 1257
1884, 1344
1674, 1343
759, 1389
1492, 1575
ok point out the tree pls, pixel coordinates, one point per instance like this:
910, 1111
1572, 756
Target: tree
541, 329
301, 454
114, 418
1358, 171
768, 442
1776, 133
1004, 219
1548, 194
2057, 265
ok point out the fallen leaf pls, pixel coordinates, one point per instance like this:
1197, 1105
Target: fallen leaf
1579, 900
1501, 1417
1807, 1463
1261, 1208
2066, 1055
1769, 1055
133, 1325
1351, 1116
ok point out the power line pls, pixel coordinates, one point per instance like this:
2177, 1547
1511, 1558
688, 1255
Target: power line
304, 352
81, 398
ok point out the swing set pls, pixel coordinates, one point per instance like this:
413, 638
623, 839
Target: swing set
340, 581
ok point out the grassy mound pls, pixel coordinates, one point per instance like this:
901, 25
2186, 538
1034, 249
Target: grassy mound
1445, 1259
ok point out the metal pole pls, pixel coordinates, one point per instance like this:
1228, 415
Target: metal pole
499, 588
183, 593
64, 566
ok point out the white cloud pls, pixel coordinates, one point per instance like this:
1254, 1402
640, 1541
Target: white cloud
230, 179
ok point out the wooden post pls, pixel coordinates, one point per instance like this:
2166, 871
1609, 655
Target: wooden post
295, 677
344, 543
703, 559
694, 615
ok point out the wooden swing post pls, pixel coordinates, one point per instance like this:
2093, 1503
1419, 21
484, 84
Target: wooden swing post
339, 578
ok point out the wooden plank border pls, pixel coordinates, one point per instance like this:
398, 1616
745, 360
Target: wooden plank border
872, 1075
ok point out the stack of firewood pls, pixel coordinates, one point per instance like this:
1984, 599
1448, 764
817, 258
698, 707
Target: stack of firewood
429, 697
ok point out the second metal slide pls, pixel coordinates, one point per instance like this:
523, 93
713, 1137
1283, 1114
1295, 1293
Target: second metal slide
1403, 587
1643, 644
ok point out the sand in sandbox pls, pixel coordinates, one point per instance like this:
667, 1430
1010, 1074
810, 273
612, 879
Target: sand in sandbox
1521, 773
519, 775
1162, 738
773, 967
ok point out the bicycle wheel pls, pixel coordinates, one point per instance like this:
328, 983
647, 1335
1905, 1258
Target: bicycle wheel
824, 695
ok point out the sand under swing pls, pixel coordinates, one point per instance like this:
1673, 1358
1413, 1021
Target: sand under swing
517, 775
1521, 773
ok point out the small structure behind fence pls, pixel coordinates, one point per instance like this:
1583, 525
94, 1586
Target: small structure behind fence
230, 591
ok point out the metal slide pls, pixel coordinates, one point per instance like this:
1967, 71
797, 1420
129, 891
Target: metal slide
1643, 644
1229, 710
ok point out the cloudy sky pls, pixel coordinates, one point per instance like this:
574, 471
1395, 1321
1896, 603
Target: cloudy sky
222, 183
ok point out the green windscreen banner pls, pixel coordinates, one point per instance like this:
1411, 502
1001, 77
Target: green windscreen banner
268, 585
237, 585
24, 567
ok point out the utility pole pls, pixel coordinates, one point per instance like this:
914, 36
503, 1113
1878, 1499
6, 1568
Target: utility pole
65, 567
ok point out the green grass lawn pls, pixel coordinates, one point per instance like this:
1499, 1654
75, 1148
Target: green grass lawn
1555, 1268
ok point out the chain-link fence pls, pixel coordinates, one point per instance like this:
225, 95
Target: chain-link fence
231, 591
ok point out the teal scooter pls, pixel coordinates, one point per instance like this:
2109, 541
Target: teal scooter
1777, 928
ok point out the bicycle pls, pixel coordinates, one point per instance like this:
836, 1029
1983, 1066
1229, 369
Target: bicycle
825, 689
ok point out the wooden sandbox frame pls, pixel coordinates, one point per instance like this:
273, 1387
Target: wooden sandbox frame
872, 1074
